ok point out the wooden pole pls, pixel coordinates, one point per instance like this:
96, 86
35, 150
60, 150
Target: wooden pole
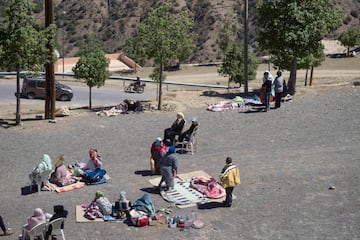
246, 22
49, 68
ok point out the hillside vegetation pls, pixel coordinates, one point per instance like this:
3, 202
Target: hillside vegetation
114, 21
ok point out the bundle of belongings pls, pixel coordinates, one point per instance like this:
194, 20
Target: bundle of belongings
208, 186
237, 103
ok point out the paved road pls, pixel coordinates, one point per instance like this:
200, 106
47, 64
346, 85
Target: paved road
288, 159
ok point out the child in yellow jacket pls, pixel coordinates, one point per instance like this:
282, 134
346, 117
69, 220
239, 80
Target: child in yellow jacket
229, 177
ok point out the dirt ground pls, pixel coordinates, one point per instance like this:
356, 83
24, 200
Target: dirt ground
333, 74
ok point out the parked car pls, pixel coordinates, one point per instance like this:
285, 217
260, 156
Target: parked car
35, 88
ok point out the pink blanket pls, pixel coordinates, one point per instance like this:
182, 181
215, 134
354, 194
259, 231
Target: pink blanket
208, 186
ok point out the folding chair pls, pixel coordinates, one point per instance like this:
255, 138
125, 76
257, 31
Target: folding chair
39, 178
56, 229
191, 143
35, 232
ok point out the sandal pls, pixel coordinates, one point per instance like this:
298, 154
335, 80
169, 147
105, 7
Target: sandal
8, 232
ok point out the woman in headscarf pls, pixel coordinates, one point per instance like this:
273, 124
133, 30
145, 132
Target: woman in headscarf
176, 127
158, 149
186, 134
37, 218
95, 160
103, 203
168, 168
61, 176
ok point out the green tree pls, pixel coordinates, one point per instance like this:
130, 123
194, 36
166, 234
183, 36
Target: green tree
293, 29
162, 37
92, 66
233, 64
350, 38
23, 44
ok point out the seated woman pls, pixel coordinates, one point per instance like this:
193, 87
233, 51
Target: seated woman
94, 162
59, 212
37, 218
158, 149
176, 127
99, 207
61, 176
186, 135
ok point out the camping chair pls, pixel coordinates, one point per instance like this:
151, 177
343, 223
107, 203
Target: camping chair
35, 232
39, 178
56, 228
191, 143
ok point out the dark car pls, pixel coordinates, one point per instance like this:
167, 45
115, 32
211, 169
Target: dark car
35, 88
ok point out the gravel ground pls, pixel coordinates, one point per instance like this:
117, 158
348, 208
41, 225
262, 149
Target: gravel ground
288, 159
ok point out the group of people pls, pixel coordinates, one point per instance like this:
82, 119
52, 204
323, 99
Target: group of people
273, 88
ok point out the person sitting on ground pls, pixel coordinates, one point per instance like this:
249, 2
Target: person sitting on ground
168, 168
186, 135
37, 218
94, 162
158, 149
61, 177
176, 127
7, 231
59, 212
99, 207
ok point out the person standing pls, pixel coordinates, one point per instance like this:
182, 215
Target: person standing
229, 177
279, 80
168, 168
7, 231
267, 88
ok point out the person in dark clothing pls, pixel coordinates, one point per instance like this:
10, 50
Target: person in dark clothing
186, 135
176, 127
7, 231
59, 212
267, 85
278, 88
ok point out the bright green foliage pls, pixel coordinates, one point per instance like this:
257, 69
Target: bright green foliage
162, 37
23, 44
293, 29
350, 38
92, 66
233, 64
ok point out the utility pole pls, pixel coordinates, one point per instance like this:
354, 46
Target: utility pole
49, 71
246, 23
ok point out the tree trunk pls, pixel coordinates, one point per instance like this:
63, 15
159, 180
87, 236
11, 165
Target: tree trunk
160, 84
306, 74
311, 75
292, 79
90, 105
17, 94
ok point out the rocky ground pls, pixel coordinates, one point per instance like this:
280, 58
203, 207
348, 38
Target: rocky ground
299, 164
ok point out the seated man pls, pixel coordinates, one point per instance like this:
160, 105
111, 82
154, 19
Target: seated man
186, 135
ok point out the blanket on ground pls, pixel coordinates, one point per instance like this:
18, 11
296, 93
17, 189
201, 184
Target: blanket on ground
237, 103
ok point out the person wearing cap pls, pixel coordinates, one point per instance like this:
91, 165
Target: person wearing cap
176, 127
168, 168
186, 135
158, 149
229, 177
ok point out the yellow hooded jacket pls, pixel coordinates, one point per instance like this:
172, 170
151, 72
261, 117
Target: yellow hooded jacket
230, 176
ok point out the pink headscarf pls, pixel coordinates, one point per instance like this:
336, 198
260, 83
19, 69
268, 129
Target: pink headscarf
95, 156
37, 218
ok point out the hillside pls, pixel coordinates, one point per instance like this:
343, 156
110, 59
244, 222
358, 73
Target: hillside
114, 21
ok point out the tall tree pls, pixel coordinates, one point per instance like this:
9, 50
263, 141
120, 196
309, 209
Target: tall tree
92, 65
163, 36
293, 29
233, 64
350, 38
23, 43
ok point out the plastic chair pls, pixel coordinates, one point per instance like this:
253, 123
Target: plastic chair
35, 232
39, 178
191, 143
56, 229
